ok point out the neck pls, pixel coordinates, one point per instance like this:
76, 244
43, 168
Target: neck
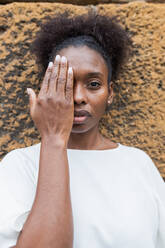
89, 140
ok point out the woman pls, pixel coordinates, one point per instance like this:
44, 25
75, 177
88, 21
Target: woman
78, 189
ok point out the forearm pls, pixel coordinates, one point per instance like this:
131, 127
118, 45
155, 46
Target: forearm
50, 223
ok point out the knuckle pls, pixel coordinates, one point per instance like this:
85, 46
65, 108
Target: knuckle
61, 103
69, 104
41, 100
69, 88
49, 98
68, 98
44, 100
63, 63
57, 100
61, 80
54, 76
49, 70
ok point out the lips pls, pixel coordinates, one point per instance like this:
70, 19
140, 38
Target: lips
79, 119
81, 113
80, 116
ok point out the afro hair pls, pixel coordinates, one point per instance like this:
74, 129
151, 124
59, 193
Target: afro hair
106, 31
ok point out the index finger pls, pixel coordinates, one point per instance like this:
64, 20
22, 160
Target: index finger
44, 86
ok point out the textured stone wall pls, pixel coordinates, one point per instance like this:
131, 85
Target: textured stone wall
137, 116
85, 2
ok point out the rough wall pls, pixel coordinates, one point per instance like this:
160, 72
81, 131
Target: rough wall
84, 2
137, 116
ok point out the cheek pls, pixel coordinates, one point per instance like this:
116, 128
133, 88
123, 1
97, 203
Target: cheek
100, 102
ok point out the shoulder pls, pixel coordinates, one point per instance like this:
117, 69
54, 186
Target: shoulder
20, 167
30, 154
142, 161
134, 154
138, 161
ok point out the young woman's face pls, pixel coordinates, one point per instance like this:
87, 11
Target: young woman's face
90, 89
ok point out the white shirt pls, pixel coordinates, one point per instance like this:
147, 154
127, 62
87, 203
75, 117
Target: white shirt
117, 195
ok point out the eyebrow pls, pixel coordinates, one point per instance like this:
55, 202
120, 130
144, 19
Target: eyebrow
95, 74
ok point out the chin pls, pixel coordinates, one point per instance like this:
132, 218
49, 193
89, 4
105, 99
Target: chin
78, 130
81, 128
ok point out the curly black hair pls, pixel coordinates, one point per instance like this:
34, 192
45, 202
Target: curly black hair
101, 33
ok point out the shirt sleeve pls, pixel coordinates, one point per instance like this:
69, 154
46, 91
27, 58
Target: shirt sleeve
158, 188
17, 192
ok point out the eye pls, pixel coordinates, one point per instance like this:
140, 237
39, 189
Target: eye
94, 85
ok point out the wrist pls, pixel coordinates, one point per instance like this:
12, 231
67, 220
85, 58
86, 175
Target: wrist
54, 141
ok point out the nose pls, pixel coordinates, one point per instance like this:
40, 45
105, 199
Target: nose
79, 94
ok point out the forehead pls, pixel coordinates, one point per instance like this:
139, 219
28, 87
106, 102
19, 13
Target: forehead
85, 59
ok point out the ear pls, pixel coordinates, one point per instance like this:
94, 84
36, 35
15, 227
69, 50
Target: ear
111, 93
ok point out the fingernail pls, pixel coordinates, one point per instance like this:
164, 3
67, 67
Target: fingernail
63, 60
70, 70
58, 57
28, 90
50, 64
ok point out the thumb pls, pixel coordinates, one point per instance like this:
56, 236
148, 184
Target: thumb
32, 98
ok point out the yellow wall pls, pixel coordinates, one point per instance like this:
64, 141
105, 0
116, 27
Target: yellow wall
137, 117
